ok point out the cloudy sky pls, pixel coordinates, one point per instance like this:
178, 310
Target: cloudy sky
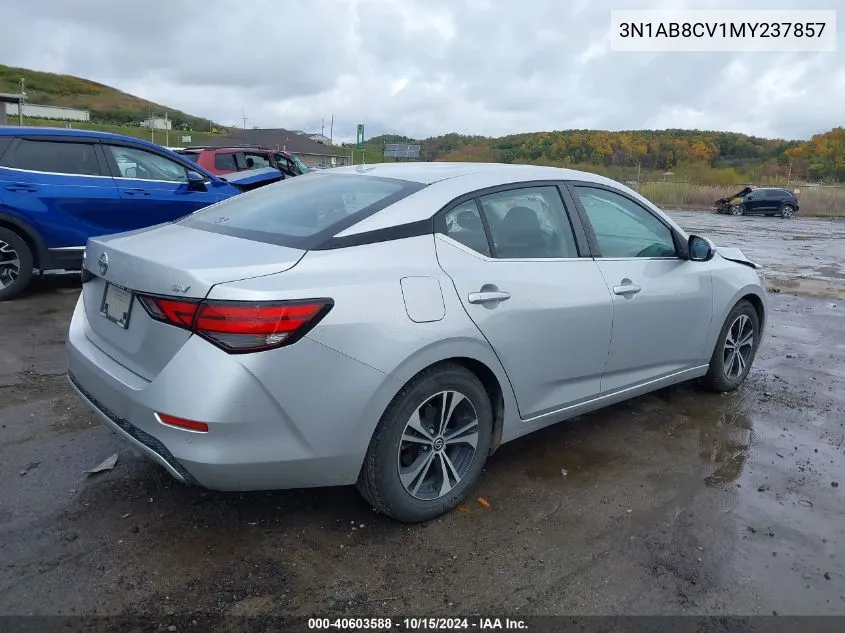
424, 67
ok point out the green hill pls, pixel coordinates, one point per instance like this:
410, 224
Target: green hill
106, 104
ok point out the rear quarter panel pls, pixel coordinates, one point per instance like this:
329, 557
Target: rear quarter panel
370, 321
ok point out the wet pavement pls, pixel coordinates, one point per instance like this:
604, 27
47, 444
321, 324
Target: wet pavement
806, 255
677, 502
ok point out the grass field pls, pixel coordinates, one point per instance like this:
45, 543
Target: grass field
161, 138
814, 201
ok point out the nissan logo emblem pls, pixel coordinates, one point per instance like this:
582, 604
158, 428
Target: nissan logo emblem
103, 263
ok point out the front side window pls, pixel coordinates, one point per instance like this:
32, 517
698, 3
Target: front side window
301, 212
143, 165
464, 225
529, 223
54, 157
256, 161
622, 227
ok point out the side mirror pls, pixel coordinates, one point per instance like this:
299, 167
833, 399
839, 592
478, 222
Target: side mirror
700, 249
195, 180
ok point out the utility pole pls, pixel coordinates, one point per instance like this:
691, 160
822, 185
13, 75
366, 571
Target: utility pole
331, 131
322, 125
789, 175
166, 131
22, 101
245, 119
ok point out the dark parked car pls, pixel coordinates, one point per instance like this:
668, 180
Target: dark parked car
58, 187
759, 201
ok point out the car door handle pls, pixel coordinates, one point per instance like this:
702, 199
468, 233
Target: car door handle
627, 289
136, 192
21, 187
488, 297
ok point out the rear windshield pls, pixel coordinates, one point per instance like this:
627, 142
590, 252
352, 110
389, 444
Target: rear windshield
301, 212
192, 156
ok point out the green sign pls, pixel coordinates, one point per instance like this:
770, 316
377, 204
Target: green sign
360, 136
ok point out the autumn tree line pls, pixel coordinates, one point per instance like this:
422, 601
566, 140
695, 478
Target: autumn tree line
687, 155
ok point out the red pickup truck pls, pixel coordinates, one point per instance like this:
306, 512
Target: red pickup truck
226, 160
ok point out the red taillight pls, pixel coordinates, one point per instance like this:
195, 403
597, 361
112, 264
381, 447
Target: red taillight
175, 311
182, 423
241, 326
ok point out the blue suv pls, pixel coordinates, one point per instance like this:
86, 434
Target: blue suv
58, 187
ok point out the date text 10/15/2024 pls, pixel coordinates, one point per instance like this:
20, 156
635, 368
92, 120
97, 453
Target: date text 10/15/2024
415, 624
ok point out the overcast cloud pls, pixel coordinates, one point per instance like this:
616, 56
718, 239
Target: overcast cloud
424, 67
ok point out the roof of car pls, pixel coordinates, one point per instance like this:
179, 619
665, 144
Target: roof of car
428, 173
16, 130
233, 148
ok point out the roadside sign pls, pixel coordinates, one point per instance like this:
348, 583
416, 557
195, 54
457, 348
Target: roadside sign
186, 139
360, 136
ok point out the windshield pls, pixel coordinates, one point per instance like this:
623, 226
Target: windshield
302, 166
301, 212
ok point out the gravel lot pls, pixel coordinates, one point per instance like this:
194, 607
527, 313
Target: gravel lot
678, 502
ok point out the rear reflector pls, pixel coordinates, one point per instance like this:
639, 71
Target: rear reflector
182, 423
240, 326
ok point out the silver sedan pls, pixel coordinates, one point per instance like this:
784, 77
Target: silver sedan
392, 325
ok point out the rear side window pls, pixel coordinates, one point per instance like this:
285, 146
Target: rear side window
54, 157
191, 156
464, 225
301, 212
529, 223
225, 162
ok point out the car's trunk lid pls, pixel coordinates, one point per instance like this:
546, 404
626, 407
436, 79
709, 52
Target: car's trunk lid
171, 260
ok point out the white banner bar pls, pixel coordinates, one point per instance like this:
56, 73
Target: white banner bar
771, 31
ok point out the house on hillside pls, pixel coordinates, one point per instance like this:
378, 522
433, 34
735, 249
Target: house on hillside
157, 123
311, 153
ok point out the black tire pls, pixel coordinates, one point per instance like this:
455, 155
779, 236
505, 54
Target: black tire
14, 246
787, 212
717, 378
379, 481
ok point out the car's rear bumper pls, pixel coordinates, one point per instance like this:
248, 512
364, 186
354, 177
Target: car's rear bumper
296, 417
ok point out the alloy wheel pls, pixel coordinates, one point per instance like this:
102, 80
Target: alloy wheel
438, 445
787, 212
739, 345
10, 265
736, 209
